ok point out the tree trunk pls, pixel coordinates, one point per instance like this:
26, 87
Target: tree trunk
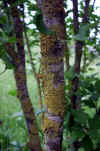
75, 100
52, 51
22, 94
21, 82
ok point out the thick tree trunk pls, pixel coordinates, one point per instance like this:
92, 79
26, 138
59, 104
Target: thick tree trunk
52, 51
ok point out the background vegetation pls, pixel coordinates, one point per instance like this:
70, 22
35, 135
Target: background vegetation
86, 129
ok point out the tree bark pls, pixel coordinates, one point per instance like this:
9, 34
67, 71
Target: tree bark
22, 93
21, 82
78, 50
52, 51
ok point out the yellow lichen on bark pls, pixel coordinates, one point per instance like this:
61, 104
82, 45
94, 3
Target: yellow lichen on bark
54, 104
52, 68
51, 125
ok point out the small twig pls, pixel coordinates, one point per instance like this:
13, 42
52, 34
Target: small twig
93, 5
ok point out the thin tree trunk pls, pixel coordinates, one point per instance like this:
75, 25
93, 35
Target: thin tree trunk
34, 72
21, 83
22, 93
78, 51
75, 81
75, 102
52, 51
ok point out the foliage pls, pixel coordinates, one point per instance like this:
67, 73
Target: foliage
83, 33
7, 139
86, 126
86, 129
40, 24
13, 123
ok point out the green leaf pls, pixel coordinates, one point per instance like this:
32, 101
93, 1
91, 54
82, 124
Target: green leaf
69, 73
4, 141
12, 92
3, 19
83, 33
7, 60
32, 7
41, 26
1, 51
8, 28
94, 134
80, 116
87, 143
77, 132
3, 37
81, 149
94, 123
12, 40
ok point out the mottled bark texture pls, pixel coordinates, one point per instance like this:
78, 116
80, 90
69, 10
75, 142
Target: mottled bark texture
21, 83
52, 51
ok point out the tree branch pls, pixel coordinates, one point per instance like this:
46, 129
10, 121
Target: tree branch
75, 16
85, 16
93, 5
21, 83
32, 65
33, 69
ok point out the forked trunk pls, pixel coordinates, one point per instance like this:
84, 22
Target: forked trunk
21, 82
